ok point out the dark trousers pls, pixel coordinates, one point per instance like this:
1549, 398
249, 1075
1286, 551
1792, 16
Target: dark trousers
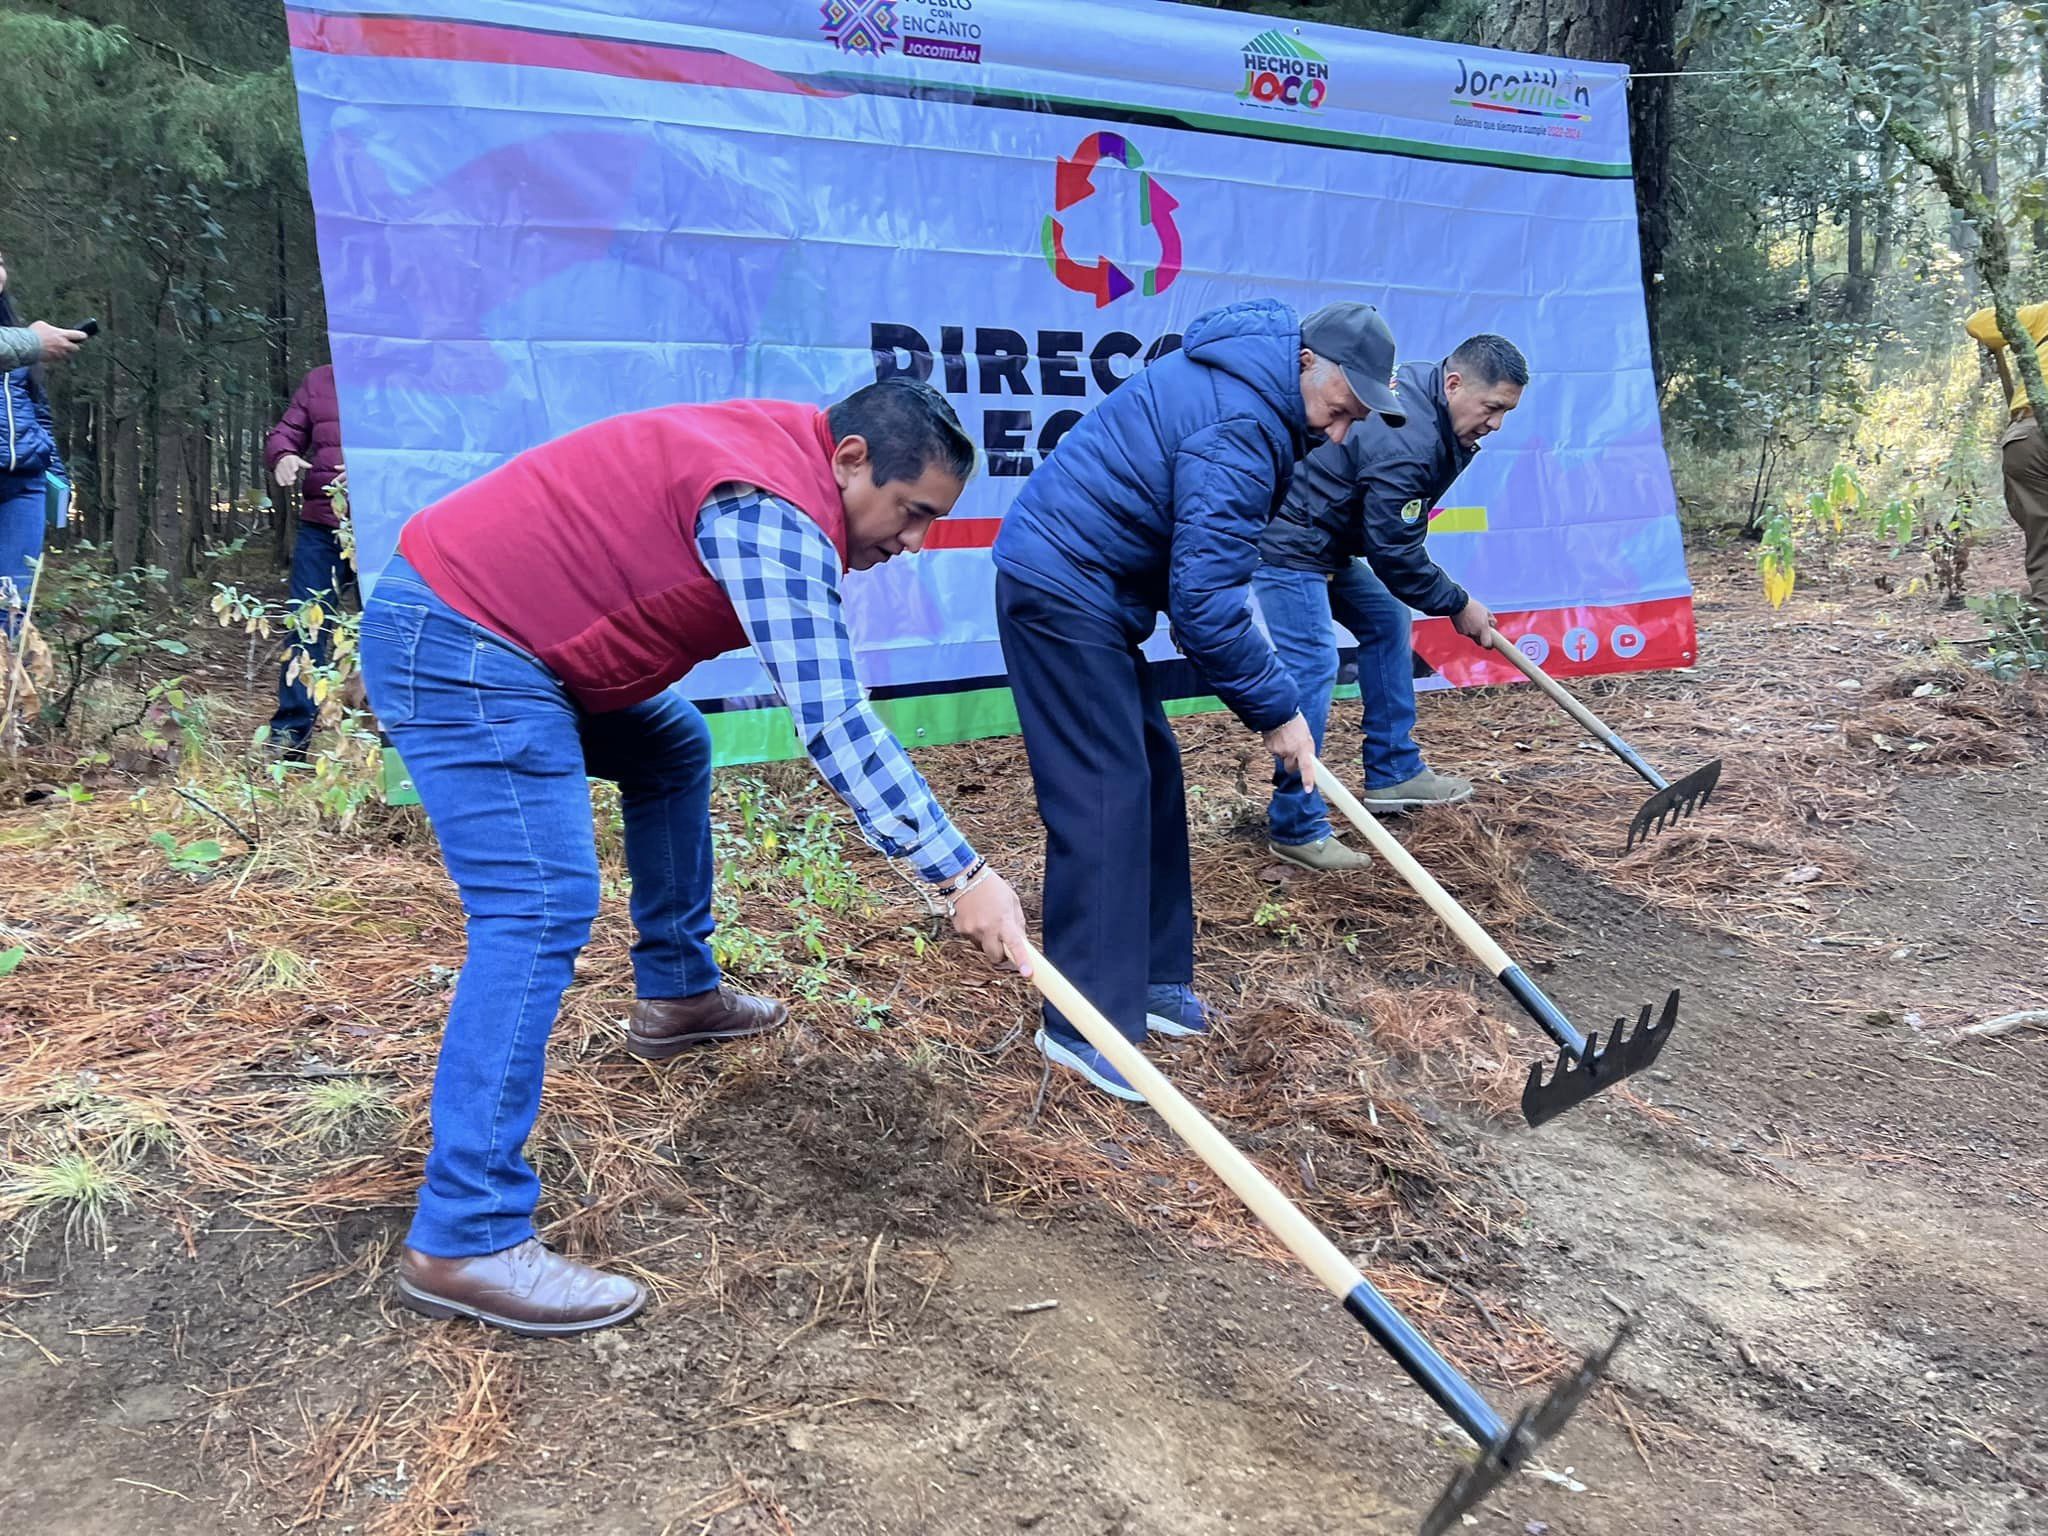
1119, 903
2025, 453
318, 570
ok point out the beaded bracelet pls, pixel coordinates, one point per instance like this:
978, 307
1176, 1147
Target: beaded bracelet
939, 896
975, 876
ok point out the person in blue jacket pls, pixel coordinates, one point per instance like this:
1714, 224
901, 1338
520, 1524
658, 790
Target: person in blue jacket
1350, 539
28, 457
1154, 503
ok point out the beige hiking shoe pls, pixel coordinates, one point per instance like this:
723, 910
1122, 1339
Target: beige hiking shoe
1327, 856
1426, 788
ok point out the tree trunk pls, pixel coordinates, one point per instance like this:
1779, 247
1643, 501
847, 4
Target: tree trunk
169, 524
198, 426
1962, 234
281, 376
1983, 107
1859, 284
199, 514
1809, 224
124, 458
1644, 37
149, 443
84, 458
1887, 215
232, 444
2041, 129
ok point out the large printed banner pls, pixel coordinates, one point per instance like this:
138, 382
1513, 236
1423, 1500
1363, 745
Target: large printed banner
536, 213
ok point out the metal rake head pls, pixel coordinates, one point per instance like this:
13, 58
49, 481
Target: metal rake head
1674, 802
1523, 1438
1574, 1081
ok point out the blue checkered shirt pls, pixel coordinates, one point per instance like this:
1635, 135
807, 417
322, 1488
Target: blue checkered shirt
782, 574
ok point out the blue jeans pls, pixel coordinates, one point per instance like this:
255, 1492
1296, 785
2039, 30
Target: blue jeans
318, 570
23, 506
501, 755
1297, 607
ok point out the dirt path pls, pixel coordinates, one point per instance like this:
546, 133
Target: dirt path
1840, 1243
1831, 1222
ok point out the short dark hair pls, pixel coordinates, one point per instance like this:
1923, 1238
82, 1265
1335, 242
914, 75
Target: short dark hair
908, 427
1490, 359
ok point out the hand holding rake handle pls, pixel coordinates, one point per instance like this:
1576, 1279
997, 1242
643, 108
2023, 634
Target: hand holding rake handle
1671, 801
1503, 1446
1583, 1068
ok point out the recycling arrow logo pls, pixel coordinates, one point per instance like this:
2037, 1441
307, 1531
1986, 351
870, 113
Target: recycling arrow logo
1073, 181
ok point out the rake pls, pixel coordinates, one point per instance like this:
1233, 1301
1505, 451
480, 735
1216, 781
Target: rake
1671, 802
1504, 1446
1584, 1066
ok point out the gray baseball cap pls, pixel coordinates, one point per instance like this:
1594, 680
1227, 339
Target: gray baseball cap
1356, 339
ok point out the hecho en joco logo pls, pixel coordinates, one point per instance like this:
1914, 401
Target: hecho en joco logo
1074, 181
1284, 73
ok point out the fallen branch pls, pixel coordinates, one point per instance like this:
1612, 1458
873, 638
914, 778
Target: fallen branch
214, 811
1991, 1029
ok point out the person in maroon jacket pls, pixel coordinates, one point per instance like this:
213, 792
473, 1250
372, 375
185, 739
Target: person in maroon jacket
526, 637
304, 450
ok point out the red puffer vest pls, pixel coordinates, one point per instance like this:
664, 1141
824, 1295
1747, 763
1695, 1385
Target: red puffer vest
584, 550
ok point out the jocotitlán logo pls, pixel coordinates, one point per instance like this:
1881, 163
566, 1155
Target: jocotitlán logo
1073, 181
923, 29
1526, 92
1284, 72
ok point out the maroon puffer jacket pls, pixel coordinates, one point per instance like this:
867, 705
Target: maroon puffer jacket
310, 428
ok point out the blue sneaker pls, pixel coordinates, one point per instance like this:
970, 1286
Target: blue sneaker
1083, 1058
1173, 1009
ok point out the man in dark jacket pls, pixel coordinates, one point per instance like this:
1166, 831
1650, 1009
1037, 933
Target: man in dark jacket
304, 450
1154, 503
1372, 496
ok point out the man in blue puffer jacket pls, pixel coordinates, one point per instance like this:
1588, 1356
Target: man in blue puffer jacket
1153, 504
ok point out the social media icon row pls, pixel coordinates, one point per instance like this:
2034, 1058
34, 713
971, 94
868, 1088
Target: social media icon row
1581, 644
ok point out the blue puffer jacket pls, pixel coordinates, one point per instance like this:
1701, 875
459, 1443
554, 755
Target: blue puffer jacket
1155, 501
28, 437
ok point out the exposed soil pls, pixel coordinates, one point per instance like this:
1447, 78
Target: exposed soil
1832, 1220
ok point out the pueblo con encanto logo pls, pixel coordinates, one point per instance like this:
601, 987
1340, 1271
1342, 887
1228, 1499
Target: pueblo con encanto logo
922, 29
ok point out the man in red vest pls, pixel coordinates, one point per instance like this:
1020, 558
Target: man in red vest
525, 637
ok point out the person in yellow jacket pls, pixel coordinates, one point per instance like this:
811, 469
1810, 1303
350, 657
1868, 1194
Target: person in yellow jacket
2021, 447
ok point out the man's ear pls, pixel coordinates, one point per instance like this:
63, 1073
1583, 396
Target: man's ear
849, 459
1308, 359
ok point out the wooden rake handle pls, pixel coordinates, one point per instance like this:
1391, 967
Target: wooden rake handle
1283, 1218
1549, 685
1597, 728
1304, 1239
1387, 846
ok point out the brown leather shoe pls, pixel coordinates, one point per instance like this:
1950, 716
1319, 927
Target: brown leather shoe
662, 1027
524, 1289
